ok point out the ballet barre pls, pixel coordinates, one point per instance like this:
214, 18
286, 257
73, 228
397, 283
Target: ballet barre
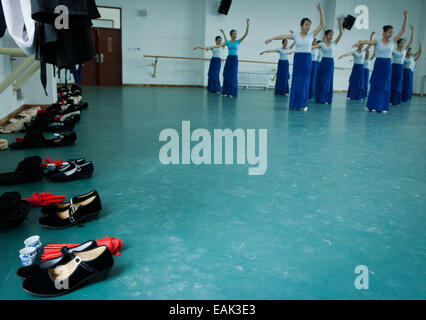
24, 71
155, 64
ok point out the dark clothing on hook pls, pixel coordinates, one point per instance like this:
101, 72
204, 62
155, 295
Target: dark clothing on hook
2, 21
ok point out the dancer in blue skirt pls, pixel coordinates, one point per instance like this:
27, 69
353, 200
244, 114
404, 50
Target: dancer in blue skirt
398, 69
407, 82
283, 74
213, 84
324, 90
316, 55
302, 64
230, 72
379, 95
356, 90
367, 67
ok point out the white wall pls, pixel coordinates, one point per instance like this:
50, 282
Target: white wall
32, 90
175, 27
171, 28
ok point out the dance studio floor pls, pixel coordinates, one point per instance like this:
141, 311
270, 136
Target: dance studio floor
344, 187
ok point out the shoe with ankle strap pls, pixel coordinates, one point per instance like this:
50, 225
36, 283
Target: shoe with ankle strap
84, 266
26, 272
74, 214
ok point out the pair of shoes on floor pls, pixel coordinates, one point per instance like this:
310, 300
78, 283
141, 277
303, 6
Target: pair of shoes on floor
35, 139
79, 209
73, 170
28, 170
76, 267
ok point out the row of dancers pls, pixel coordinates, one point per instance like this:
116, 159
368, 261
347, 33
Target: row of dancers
313, 66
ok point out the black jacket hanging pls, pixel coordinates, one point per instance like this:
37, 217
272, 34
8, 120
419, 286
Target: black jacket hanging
80, 11
2, 22
63, 48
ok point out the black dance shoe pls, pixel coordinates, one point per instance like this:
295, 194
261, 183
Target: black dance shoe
37, 140
65, 167
26, 272
73, 171
28, 170
86, 266
62, 140
74, 214
53, 209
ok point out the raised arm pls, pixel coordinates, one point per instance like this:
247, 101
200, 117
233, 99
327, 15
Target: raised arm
323, 35
369, 42
345, 55
322, 20
201, 48
247, 31
268, 51
371, 38
418, 53
404, 26
224, 35
214, 47
340, 31
281, 37
411, 38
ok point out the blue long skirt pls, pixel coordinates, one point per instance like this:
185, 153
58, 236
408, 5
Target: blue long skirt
407, 85
230, 76
313, 84
324, 90
379, 96
302, 66
396, 83
356, 89
213, 84
366, 79
283, 75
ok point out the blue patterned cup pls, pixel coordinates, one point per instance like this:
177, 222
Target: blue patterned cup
33, 241
28, 253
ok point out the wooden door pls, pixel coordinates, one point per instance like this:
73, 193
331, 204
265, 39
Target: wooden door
110, 60
106, 68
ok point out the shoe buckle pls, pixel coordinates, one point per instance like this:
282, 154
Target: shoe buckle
77, 260
72, 211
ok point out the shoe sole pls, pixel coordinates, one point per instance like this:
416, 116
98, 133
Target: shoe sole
87, 176
87, 218
94, 278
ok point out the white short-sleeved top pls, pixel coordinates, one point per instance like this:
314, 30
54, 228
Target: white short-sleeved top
283, 53
398, 57
320, 56
303, 45
408, 62
367, 64
328, 51
359, 57
315, 54
217, 52
413, 63
384, 51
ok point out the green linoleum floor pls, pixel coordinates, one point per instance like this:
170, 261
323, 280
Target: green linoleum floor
343, 188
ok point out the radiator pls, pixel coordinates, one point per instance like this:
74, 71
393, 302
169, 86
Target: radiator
256, 79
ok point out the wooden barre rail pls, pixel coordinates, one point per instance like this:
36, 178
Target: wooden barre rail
154, 74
